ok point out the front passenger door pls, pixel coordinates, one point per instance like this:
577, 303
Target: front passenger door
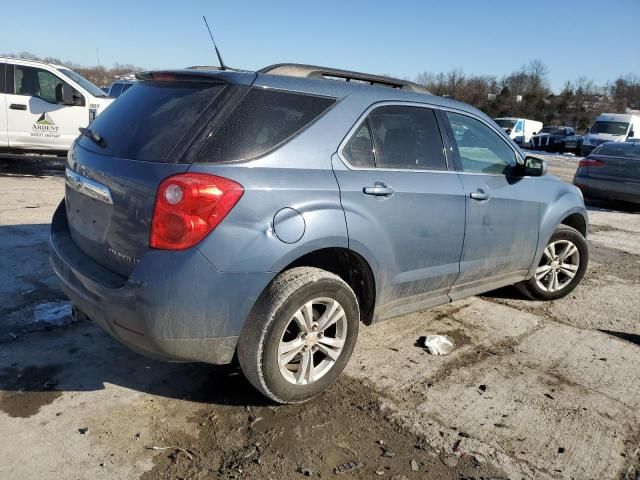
502, 209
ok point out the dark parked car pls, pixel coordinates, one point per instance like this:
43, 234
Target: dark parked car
119, 87
265, 215
611, 171
557, 139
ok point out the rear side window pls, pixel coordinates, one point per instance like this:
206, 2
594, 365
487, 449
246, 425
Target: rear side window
359, 149
261, 121
407, 138
149, 121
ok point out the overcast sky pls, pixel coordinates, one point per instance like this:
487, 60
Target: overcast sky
593, 38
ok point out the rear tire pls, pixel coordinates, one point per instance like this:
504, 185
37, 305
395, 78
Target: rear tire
299, 335
561, 268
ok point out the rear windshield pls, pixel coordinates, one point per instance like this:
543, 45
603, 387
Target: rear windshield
263, 120
148, 122
625, 150
611, 128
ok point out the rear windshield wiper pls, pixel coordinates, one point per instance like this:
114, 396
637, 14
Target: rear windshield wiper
94, 136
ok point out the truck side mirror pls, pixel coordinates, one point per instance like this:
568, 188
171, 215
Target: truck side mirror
632, 134
64, 94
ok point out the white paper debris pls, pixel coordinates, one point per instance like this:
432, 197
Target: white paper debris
53, 313
438, 344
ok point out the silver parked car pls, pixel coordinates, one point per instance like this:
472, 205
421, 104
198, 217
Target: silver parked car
210, 214
612, 172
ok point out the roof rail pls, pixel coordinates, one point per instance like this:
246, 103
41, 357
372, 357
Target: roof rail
314, 71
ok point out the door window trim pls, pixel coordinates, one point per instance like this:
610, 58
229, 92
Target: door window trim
364, 117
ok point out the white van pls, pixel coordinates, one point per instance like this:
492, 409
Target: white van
42, 105
519, 129
611, 127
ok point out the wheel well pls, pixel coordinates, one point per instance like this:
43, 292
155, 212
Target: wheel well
350, 267
577, 221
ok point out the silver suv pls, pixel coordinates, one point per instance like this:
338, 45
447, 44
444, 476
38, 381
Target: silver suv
214, 214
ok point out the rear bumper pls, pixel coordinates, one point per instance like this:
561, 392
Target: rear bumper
175, 306
607, 189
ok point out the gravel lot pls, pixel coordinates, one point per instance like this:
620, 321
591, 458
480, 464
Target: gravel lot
532, 390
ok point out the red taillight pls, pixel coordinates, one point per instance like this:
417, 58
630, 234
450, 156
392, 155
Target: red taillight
590, 162
188, 207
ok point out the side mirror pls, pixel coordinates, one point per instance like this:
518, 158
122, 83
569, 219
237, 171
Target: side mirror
534, 167
508, 130
631, 134
534, 133
587, 131
64, 94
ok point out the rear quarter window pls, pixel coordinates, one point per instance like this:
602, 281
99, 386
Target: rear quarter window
263, 120
148, 122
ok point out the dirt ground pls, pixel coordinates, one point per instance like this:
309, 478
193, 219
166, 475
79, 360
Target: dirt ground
532, 390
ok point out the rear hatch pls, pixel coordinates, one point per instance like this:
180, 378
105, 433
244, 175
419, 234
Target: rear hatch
146, 135
615, 161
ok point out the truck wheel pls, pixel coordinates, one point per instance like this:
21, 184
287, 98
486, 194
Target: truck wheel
562, 266
299, 335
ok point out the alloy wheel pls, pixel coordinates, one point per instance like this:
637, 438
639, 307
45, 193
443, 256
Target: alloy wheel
312, 341
558, 266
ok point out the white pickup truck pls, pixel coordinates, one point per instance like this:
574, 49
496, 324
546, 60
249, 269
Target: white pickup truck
42, 105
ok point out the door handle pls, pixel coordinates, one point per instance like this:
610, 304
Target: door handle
17, 106
479, 195
378, 190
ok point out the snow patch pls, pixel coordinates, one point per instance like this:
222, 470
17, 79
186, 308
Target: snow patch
53, 313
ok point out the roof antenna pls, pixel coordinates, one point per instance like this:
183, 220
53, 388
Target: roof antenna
222, 65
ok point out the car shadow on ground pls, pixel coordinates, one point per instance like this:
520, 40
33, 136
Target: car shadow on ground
82, 357
600, 205
31, 166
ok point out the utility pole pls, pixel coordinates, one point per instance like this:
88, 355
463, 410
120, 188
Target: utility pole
98, 56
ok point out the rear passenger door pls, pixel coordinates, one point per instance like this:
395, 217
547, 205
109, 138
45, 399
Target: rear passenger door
503, 209
404, 207
4, 139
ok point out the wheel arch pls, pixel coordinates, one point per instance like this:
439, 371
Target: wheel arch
352, 267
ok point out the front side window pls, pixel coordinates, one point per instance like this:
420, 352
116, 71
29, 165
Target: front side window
36, 82
481, 149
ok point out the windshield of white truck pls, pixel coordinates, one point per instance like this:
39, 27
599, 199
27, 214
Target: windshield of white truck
83, 82
506, 123
610, 128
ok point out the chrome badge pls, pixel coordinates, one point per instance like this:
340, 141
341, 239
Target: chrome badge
88, 187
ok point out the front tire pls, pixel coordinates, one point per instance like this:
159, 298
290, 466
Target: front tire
300, 335
562, 266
